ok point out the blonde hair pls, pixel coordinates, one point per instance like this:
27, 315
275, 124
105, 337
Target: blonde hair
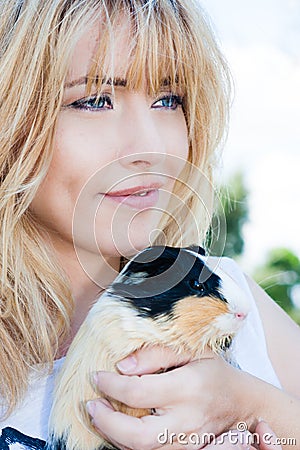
37, 38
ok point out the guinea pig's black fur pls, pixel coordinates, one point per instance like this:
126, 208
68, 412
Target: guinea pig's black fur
161, 266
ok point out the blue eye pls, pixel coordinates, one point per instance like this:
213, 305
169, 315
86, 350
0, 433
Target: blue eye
168, 102
196, 285
94, 103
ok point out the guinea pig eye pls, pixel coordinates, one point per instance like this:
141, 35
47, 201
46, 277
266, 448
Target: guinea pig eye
196, 285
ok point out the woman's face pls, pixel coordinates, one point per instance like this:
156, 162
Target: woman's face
115, 159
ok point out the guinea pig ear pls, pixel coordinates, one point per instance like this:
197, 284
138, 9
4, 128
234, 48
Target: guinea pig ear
196, 249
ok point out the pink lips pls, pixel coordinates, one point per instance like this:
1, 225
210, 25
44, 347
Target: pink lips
138, 197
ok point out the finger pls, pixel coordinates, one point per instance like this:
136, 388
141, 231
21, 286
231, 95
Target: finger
267, 437
150, 360
149, 432
110, 439
127, 431
152, 432
151, 391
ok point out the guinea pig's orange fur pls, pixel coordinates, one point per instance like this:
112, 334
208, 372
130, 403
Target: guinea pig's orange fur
195, 322
111, 332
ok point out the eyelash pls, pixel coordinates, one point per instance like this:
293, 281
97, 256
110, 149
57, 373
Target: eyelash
92, 103
83, 103
175, 98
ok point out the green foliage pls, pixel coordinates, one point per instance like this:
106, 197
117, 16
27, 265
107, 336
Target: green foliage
234, 204
278, 277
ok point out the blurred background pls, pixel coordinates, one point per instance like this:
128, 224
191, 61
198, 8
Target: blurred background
260, 176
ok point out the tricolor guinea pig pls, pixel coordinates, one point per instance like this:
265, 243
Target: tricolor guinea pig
164, 296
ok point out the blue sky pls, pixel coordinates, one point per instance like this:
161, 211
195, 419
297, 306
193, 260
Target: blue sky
261, 41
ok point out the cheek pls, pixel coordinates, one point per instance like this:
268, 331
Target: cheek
184, 141
82, 148
178, 137
177, 147
54, 201
75, 159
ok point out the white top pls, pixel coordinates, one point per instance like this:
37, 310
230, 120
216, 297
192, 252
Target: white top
31, 418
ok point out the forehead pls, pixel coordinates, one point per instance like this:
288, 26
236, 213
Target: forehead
86, 52
143, 56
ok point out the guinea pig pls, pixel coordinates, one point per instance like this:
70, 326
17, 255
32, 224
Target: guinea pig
164, 296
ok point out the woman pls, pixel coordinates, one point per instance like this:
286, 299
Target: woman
111, 114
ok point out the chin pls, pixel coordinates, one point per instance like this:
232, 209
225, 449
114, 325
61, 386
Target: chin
129, 240
122, 247
131, 248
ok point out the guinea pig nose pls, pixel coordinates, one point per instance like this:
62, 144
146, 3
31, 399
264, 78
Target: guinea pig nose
240, 315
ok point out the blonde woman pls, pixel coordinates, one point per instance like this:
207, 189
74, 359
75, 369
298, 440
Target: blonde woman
111, 116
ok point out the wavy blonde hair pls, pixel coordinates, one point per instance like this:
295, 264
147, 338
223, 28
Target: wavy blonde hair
37, 38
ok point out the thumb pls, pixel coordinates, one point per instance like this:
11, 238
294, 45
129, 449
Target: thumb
150, 360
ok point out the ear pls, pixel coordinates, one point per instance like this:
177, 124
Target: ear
196, 249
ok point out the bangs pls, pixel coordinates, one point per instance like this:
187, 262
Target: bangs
157, 50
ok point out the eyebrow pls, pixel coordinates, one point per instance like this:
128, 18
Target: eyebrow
108, 81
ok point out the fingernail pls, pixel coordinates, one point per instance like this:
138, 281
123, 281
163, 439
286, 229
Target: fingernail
95, 377
90, 407
127, 364
94, 381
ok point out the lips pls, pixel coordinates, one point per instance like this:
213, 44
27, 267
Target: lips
136, 190
137, 197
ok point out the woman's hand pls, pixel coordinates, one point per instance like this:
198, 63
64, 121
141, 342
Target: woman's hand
199, 397
204, 396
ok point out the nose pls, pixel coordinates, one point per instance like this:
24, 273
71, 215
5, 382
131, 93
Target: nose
143, 145
141, 161
240, 315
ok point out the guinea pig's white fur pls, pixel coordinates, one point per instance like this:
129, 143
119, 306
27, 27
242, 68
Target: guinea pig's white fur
113, 330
